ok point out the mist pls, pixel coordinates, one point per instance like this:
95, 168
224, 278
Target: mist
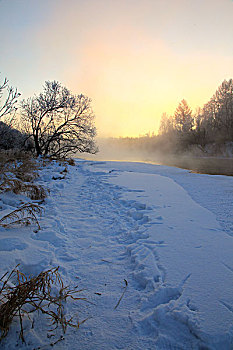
201, 141
118, 149
143, 149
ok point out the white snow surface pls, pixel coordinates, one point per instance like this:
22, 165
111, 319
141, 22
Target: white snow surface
166, 231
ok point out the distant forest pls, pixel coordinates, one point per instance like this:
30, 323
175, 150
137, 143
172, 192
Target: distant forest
207, 131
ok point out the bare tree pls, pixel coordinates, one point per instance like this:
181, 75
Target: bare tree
199, 132
59, 122
9, 96
166, 124
218, 112
9, 137
183, 119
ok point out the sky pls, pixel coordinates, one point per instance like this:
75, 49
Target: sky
135, 59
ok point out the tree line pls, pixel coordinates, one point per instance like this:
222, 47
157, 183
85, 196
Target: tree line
55, 123
211, 124
185, 130
58, 123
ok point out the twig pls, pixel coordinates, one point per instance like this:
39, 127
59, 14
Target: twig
110, 262
126, 285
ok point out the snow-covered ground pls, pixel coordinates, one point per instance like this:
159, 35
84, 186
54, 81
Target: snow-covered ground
162, 236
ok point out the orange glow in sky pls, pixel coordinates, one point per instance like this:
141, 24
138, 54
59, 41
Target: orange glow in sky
134, 59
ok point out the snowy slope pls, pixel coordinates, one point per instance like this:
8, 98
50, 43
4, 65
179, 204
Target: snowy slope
165, 231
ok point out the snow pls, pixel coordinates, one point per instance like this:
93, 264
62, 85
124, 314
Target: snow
160, 235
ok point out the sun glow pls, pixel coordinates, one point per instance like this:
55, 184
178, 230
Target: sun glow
131, 91
134, 59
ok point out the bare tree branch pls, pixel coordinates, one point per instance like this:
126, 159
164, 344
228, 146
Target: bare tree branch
10, 96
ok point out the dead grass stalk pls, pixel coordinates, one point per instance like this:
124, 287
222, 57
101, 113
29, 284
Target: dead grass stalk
31, 294
25, 215
35, 192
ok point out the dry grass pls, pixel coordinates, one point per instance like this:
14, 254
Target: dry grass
31, 294
17, 171
71, 162
35, 192
25, 215
21, 164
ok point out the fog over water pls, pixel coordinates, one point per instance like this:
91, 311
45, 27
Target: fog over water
112, 150
109, 149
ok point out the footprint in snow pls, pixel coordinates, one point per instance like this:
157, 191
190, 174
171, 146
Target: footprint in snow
50, 237
9, 244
